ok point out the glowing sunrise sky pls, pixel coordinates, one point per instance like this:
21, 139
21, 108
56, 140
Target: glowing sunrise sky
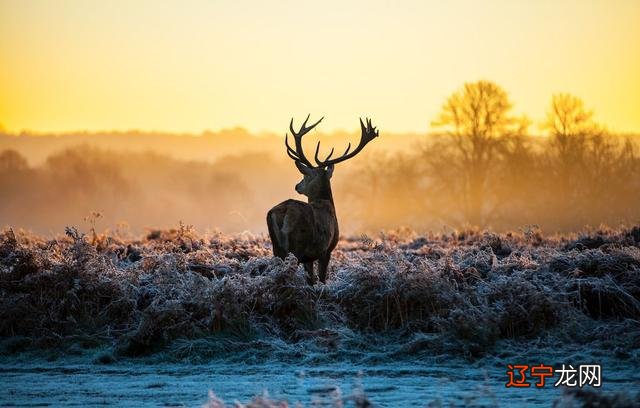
194, 65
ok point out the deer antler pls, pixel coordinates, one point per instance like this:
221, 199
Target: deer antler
298, 153
369, 133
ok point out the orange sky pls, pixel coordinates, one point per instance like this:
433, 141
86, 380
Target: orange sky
194, 65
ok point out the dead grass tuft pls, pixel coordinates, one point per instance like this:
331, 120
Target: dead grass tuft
470, 287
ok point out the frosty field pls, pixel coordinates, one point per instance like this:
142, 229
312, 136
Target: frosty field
404, 320
391, 384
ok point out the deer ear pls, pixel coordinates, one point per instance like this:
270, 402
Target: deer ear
330, 170
303, 169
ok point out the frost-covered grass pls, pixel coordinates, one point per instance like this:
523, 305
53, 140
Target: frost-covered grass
400, 293
577, 398
336, 400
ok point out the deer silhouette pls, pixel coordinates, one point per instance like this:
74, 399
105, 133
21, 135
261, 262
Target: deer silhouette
310, 230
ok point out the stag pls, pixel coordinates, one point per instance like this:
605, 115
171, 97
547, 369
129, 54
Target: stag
310, 230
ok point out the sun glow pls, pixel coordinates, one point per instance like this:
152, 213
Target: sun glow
173, 66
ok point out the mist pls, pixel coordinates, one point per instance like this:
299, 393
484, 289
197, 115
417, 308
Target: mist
423, 186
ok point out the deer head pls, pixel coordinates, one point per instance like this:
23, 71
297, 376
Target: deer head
315, 182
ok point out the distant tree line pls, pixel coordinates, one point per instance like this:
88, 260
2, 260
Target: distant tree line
129, 190
483, 168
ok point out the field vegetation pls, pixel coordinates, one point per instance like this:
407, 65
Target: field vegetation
204, 296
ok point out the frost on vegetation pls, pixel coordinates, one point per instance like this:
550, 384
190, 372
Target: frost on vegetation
335, 399
571, 398
469, 289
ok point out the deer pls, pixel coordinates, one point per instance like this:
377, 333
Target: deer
310, 230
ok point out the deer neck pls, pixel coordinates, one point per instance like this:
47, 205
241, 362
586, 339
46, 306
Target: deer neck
323, 195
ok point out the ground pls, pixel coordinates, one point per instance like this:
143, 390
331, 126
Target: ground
404, 316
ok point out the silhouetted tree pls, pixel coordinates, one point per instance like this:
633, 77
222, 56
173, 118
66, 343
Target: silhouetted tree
478, 123
11, 161
570, 126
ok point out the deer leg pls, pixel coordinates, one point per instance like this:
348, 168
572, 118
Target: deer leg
311, 278
323, 265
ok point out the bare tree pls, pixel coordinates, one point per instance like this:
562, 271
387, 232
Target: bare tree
587, 165
477, 122
570, 127
11, 161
